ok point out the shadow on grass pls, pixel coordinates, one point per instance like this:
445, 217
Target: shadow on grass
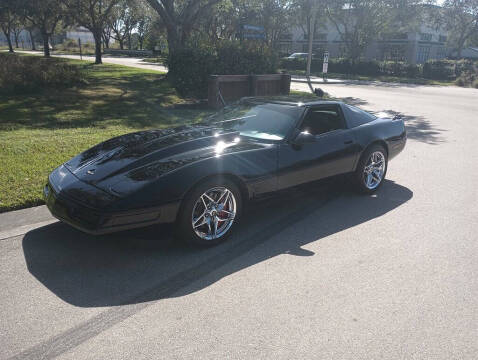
113, 96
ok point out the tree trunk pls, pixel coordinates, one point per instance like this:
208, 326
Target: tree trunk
106, 42
129, 40
46, 45
121, 44
97, 36
174, 42
15, 36
32, 39
9, 41
140, 43
311, 31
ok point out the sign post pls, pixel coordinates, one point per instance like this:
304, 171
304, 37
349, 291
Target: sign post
325, 66
79, 44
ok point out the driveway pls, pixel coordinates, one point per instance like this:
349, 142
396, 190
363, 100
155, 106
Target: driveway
317, 272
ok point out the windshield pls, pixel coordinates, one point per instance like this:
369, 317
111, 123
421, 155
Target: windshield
259, 121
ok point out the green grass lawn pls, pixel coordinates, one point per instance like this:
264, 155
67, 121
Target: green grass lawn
39, 131
391, 79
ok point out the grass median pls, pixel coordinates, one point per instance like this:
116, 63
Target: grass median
44, 128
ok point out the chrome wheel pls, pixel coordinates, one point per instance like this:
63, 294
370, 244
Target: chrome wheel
374, 170
213, 213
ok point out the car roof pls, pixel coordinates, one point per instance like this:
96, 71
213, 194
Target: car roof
294, 100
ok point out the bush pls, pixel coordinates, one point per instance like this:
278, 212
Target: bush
30, 73
467, 72
400, 69
439, 70
244, 59
434, 69
189, 68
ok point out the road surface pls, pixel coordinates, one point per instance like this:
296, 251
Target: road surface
317, 272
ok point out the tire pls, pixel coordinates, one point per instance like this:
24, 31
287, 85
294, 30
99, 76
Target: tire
221, 215
368, 180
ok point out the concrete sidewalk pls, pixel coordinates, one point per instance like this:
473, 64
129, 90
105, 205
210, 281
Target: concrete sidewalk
319, 80
139, 63
19, 222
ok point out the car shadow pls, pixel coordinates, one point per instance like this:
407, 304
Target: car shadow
143, 265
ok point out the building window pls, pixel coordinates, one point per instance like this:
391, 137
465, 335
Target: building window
286, 37
318, 50
394, 52
442, 39
423, 54
395, 36
317, 37
426, 37
441, 52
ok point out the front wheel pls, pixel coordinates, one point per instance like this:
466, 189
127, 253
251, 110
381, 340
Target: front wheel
371, 169
210, 212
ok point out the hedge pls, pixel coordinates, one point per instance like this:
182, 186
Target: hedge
190, 67
21, 74
434, 69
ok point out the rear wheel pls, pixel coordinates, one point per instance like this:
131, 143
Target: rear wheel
371, 169
209, 212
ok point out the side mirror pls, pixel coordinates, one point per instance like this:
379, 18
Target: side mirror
304, 138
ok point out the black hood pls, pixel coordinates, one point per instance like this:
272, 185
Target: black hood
146, 155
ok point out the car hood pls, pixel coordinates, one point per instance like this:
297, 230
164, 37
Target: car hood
147, 155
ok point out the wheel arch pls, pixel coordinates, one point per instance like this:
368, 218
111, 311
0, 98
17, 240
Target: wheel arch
373, 143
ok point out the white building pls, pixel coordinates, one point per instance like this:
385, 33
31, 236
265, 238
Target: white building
426, 43
85, 35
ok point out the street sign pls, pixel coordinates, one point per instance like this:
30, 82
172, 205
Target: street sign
325, 67
254, 28
252, 32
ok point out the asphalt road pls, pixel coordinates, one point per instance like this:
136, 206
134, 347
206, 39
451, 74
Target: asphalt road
317, 272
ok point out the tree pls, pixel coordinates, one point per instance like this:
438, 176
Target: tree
106, 37
122, 21
93, 15
8, 19
310, 13
179, 17
17, 29
460, 18
144, 27
44, 15
359, 22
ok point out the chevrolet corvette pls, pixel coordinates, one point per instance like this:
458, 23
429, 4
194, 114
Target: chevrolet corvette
200, 176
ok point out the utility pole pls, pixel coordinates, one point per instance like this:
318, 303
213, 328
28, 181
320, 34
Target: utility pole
312, 19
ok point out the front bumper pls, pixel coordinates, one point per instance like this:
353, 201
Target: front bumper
96, 221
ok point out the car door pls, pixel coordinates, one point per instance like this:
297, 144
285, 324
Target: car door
332, 150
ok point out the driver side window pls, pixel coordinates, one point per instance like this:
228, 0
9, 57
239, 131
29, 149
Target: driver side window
321, 120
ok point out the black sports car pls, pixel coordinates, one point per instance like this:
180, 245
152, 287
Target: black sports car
199, 176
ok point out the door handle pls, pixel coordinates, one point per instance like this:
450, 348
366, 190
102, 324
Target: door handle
347, 142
